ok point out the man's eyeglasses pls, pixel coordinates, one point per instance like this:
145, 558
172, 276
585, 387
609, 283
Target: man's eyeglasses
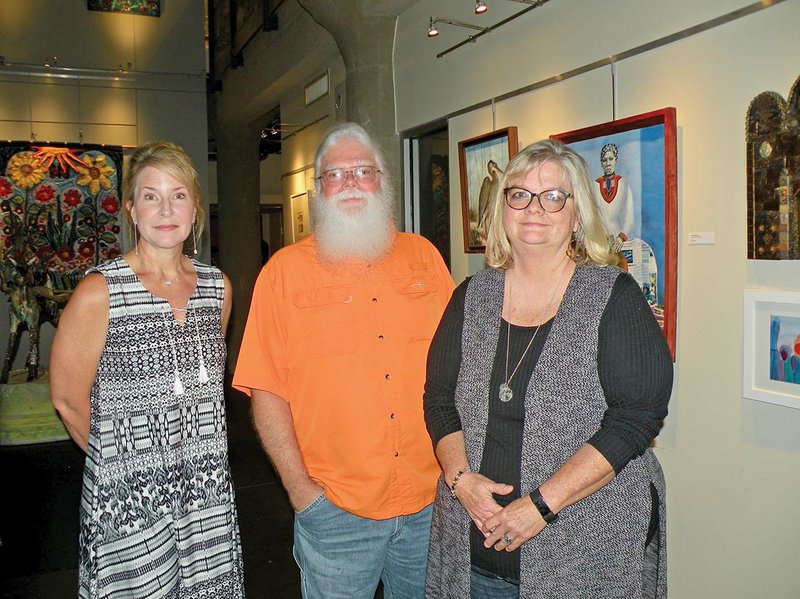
335, 177
551, 200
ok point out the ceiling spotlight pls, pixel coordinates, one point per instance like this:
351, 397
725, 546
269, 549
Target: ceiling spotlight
480, 7
433, 31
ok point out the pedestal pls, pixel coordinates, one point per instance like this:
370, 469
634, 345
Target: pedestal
26, 414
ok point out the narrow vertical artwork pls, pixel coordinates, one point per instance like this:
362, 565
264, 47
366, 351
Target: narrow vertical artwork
773, 176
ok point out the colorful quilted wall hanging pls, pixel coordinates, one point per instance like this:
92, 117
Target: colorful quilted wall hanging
59, 215
150, 8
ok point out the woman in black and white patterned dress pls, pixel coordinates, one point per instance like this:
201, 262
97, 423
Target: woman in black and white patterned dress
137, 372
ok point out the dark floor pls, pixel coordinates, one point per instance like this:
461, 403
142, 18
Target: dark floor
40, 493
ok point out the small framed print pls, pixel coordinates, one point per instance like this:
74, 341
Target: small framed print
771, 368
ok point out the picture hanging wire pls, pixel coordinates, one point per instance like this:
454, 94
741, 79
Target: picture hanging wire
613, 91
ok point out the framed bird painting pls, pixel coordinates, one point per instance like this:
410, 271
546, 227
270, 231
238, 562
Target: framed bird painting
481, 161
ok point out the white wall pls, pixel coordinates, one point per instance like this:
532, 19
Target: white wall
731, 464
162, 97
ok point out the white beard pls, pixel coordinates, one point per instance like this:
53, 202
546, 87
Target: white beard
364, 234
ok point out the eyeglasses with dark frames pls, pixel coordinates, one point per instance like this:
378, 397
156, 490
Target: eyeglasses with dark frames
551, 200
335, 177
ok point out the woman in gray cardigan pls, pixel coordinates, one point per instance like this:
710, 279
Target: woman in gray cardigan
547, 381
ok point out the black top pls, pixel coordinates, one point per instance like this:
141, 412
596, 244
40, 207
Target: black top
634, 374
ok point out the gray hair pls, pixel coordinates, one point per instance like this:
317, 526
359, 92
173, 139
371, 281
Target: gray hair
592, 245
351, 131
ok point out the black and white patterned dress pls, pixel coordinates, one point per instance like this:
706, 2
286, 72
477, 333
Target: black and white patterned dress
158, 517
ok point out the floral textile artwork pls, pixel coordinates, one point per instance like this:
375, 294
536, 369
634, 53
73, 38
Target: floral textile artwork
150, 8
59, 216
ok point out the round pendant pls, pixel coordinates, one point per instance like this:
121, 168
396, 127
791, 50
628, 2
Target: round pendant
506, 394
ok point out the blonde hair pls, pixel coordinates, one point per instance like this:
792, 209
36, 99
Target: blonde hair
592, 243
171, 159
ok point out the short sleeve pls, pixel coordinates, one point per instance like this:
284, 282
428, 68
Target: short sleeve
262, 361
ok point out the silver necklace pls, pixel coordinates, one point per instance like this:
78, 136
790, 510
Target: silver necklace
505, 393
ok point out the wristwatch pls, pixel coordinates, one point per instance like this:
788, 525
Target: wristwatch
542, 506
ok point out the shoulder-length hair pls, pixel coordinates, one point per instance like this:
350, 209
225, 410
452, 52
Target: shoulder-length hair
171, 159
592, 243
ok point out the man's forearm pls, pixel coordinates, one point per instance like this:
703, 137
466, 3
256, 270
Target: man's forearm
272, 417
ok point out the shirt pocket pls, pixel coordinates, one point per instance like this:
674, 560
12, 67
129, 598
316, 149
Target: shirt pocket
419, 309
327, 321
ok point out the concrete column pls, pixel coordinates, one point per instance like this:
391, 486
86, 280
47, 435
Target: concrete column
239, 220
366, 42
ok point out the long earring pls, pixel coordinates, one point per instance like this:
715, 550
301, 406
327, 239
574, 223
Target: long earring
135, 238
194, 238
572, 247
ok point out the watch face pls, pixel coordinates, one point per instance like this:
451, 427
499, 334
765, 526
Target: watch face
765, 149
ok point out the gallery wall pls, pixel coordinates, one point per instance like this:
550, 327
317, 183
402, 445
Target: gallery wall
731, 463
119, 79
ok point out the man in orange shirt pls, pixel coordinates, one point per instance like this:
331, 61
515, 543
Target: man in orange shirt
333, 356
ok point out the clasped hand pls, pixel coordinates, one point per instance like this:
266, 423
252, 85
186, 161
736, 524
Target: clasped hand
517, 522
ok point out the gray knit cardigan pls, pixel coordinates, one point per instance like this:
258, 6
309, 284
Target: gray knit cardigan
596, 547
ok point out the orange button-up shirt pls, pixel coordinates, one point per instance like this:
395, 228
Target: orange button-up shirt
346, 346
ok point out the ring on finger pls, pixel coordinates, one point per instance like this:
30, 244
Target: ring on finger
507, 540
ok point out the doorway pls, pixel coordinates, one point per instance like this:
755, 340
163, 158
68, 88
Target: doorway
427, 160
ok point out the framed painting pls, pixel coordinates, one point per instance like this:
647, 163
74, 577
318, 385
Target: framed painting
633, 166
481, 161
771, 366
773, 187
301, 221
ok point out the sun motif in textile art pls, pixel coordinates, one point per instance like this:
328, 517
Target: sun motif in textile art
24, 170
65, 157
95, 174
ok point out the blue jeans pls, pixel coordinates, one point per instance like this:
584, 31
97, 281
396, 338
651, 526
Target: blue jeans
489, 587
343, 556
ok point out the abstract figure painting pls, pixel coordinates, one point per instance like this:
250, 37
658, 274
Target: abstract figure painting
481, 162
784, 349
633, 166
773, 176
772, 346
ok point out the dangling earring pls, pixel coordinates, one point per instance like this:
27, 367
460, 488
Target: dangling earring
194, 238
135, 238
572, 247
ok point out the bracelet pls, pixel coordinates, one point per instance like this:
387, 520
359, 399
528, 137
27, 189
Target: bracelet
542, 506
456, 478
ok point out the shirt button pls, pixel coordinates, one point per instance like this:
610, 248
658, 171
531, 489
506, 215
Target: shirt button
386, 376
380, 337
392, 415
397, 454
374, 300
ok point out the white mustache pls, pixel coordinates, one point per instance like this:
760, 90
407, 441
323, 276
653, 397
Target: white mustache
348, 195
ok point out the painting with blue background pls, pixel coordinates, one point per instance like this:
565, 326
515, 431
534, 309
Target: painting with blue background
641, 162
